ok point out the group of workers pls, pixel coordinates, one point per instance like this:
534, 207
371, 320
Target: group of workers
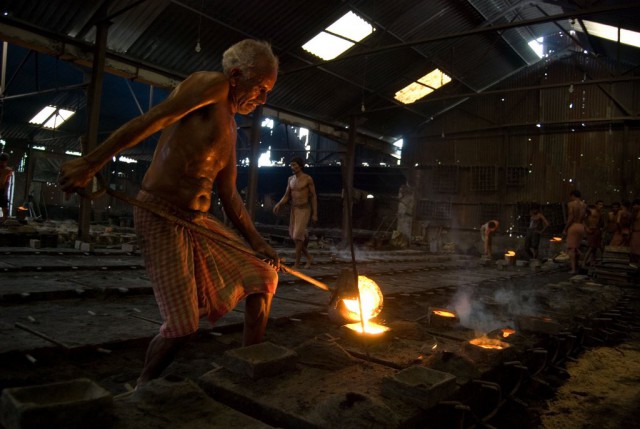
591, 222
619, 227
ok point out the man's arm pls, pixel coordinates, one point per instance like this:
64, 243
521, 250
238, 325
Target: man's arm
285, 198
199, 89
8, 174
236, 211
570, 217
545, 223
314, 200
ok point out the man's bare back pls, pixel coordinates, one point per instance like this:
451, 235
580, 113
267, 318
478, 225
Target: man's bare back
576, 211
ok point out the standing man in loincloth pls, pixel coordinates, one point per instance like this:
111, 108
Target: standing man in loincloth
194, 276
304, 206
574, 229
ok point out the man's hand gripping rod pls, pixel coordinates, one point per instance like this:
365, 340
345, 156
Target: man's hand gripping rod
103, 188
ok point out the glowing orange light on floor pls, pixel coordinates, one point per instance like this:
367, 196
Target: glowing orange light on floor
444, 313
506, 332
488, 343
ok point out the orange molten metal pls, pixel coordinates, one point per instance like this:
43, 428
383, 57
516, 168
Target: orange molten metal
443, 313
506, 332
487, 343
23, 209
510, 253
371, 306
556, 239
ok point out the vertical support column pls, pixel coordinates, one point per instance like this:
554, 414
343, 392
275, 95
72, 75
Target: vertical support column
5, 49
347, 183
252, 187
28, 168
502, 184
625, 165
93, 104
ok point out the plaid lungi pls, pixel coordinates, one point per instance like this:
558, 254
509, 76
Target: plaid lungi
194, 276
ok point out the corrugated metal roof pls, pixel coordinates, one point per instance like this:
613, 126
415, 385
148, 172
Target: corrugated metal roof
412, 37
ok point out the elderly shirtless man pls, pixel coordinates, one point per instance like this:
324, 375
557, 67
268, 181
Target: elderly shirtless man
304, 206
194, 276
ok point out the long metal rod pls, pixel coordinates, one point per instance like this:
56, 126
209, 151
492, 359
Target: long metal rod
45, 91
41, 335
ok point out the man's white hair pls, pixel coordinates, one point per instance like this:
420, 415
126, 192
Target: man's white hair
247, 56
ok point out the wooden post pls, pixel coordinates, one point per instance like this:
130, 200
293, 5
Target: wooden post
252, 186
93, 104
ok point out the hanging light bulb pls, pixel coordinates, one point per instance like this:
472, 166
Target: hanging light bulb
571, 88
198, 47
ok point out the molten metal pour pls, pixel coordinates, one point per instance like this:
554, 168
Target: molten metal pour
357, 308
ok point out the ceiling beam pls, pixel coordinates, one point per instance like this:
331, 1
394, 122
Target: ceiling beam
518, 89
80, 53
472, 32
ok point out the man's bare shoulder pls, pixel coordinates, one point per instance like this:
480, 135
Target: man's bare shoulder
212, 76
209, 84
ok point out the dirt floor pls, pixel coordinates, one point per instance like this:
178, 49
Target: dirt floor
603, 390
599, 387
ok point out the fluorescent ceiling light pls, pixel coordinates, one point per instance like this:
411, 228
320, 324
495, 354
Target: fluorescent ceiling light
339, 36
51, 117
422, 87
609, 32
73, 152
537, 46
127, 160
38, 148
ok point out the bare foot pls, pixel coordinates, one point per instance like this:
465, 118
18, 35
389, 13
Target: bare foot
308, 264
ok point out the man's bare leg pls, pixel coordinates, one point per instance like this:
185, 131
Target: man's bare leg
307, 255
160, 354
573, 257
256, 315
299, 248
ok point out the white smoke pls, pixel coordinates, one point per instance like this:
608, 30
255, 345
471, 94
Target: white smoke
487, 312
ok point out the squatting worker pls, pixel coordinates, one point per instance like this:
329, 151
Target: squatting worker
194, 276
304, 206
